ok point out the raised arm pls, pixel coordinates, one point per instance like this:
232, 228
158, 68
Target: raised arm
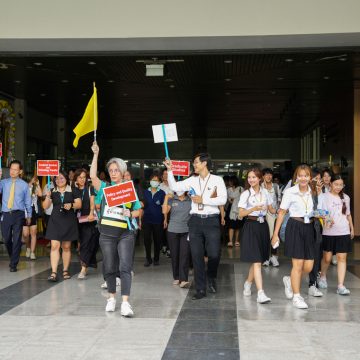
96, 182
173, 184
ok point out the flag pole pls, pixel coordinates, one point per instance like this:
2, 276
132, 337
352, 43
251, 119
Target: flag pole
95, 112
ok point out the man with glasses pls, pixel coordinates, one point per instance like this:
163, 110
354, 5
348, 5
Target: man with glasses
16, 200
207, 192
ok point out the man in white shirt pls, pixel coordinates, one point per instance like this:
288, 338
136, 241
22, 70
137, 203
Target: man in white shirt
207, 192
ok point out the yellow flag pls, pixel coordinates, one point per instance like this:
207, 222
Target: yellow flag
89, 121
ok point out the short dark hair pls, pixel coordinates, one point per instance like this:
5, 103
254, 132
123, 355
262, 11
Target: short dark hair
234, 180
204, 157
78, 172
267, 171
65, 175
315, 171
18, 162
155, 174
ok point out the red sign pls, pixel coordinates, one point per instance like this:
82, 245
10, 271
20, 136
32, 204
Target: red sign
48, 167
0, 149
180, 168
120, 194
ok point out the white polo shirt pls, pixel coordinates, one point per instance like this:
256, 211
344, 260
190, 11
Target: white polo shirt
249, 199
299, 204
208, 187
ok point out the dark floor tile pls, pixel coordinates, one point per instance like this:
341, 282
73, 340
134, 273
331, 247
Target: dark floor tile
203, 354
228, 326
203, 314
209, 303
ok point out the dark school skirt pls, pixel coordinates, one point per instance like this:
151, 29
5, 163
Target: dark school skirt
300, 240
337, 244
255, 242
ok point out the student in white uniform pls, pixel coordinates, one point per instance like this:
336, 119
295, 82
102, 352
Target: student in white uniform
255, 245
274, 192
300, 233
337, 236
207, 192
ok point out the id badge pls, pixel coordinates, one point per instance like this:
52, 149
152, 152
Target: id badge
260, 219
200, 207
306, 219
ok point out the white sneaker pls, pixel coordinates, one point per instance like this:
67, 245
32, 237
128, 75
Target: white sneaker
334, 260
28, 252
299, 302
266, 263
322, 283
247, 289
314, 291
262, 298
32, 256
126, 309
110, 305
118, 281
343, 291
288, 289
104, 285
274, 261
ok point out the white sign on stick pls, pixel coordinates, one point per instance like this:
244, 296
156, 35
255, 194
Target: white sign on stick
170, 131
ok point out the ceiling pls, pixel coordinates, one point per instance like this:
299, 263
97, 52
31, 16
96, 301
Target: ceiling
220, 96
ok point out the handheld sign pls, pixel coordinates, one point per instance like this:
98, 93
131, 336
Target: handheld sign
48, 167
165, 133
180, 168
120, 194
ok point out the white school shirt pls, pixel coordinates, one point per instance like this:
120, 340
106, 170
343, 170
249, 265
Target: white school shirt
299, 204
213, 183
275, 195
334, 204
249, 199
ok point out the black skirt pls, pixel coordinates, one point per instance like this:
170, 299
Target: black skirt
300, 240
255, 242
337, 244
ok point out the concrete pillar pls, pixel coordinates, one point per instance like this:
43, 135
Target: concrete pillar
356, 215
20, 110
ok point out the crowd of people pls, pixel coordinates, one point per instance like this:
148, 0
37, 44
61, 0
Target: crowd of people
185, 219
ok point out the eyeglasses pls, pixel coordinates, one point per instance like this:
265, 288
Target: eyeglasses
114, 171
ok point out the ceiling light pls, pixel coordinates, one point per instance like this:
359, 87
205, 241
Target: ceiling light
238, 164
37, 63
227, 93
17, 81
326, 77
125, 94
228, 61
273, 92
289, 60
280, 78
92, 63
314, 92
154, 70
227, 80
172, 86
110, 81
307, 61
64, 81
83, 94
42, 94
169, 80
342, 59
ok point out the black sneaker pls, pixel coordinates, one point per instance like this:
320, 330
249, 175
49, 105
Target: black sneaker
156, 263
212, 285
199, 295
147, 263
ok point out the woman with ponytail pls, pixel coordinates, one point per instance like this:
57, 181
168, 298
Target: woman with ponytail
338, 234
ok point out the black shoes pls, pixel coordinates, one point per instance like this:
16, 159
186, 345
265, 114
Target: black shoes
212, 285
199, 295
13, 269
147, 263
156, 262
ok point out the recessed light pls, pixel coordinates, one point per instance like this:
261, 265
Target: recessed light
227, 93
110, 81
17, 81
326, 77
280, 78
227, 80
342, 59
314, 92
172, 86
37, 63
228, 61
307, 61
238, 164
92, 63
125, 94
64, 81
168, 80
83, 94
42, 94
272, 92
289, 60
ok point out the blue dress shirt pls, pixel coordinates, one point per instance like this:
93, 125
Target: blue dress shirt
22, 198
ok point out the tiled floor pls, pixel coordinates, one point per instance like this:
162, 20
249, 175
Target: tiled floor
67, 320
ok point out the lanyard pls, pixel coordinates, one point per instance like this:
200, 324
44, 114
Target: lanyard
305, 203
202, 192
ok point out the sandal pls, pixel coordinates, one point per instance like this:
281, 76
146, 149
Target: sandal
66, 275
230, 244
82, 275
53, 277
237, 244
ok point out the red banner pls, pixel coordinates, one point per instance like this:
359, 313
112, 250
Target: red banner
120, 194
0, 149
48, 167
180, 168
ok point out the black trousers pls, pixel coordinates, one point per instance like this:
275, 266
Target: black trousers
205, 236
180, 254
317, 256
89, 243
11, 228
152, 232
